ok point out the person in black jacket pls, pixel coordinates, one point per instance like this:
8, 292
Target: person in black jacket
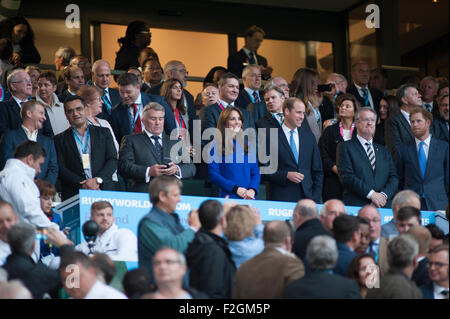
19, 31
137, 37
208, 257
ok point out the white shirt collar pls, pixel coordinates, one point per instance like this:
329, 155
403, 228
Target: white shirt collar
18, 101
32, 136
426, 141
225, 104
138, 100
437, 289
150, 136
405, 114
55, 101
360, 87
363, 141
287, 130
247, 51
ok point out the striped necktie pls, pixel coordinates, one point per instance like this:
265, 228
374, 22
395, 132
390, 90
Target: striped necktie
371, 155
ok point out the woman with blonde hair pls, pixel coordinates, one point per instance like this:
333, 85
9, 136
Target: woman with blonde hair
233, 165
244, 233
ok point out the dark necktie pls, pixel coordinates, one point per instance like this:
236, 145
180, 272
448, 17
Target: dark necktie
256, 97
428, 107
366, 97
158, 147
137, 121
252, 58
371, 155
281, 115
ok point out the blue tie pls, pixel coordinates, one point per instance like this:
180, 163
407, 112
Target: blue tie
422, 159
366, 97
293, 147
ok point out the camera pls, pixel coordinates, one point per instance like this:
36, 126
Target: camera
325, 87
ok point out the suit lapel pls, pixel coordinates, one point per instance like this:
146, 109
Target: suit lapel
357, 145
94, 140
431, 152
146, 140
284, 141
412, 149
73, 147
406, 125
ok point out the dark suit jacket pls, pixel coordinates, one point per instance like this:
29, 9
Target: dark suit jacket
439, 129
137, 153
257, 110
326, 109
115, 99
38, 278
345, 257
303, 235
420, 275
427, 290
236, 60
12, 139
376, 96
397, 131
156, 90
309, 164
121, 122
328, 142
357, 176
10, 119
103, 160
322, 285
435, 184
255, 278
64, 96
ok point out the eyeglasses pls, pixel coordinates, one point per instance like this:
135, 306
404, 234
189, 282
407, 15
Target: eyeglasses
77, 109
364, 120
437, 264
374, 221
23, 81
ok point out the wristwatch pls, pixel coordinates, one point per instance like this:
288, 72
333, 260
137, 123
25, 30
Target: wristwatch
99, 180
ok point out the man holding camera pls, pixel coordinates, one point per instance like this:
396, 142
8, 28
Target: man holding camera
148, 154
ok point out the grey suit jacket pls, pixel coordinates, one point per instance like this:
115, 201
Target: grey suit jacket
137, 153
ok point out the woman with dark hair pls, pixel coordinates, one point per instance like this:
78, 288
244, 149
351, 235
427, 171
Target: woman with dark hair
304, 85
388, 108
364, 271
137, 37
172, 91
214, 75
233, 166
19, 31
343, 130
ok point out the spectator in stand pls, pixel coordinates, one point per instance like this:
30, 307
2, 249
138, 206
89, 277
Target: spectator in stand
423, 237
378, 80
250, 97
342, 130
210, 94
274, 118
437, 236
93, 99
388, 109
19, 31
338, 86
101, 76
233, 164
321, 283
347, 234
152, 73
428, 89
440, 128
397, 283
62, 60
364, 271
136, 283
8, 218
33, 72
84, 64
147, 53
137, 37
105, 269
74, 79
244, 232
438, 272
214, 76
364, 228
330, 210
6, 52
373, 217
208, 256
256, 278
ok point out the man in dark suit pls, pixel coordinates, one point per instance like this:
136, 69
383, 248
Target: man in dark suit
307, 224
250, 98
321, 283
74, 78
152, 72
423, 166
101, 76
299, 173
396, 283
348, 236
274, 117
149, 154
247, 55
366, 169
366, 96
428, 89
255, 279
438, 271
423, 237
228, 93
87, 157
398, 128
177, 70
33, 117
19, 84
127, 116
439, 128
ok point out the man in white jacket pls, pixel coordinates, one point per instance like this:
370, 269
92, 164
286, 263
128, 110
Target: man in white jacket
17, 185
118, 244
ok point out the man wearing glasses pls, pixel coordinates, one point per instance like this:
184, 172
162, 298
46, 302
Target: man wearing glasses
438, 272
19, 84
366, 169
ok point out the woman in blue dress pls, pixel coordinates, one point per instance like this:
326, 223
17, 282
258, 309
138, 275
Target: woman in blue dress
233, 165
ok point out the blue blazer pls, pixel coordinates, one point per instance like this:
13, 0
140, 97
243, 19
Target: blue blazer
309, 164
427, 290
345, 257
115, 100
235, 169
12, 139
121, 121
435, 184
358, 178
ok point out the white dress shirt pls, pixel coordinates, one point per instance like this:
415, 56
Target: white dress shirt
101, 291
138, 102
437, 291
56, 114
118, 244
287, 132
405, 115
250, 93
361, 93
426, 145
225, 104
32, 136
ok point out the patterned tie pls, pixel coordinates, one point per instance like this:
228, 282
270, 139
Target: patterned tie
256, 97
252, 58
422, 159
428, 107
281, 115
366, 96
137, 122
293, 147
158, 147
107, 102
371, 155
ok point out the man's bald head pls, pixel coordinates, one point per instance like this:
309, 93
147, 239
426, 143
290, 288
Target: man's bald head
372, 215
305, 210
101, 74
330, 210
8, 218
